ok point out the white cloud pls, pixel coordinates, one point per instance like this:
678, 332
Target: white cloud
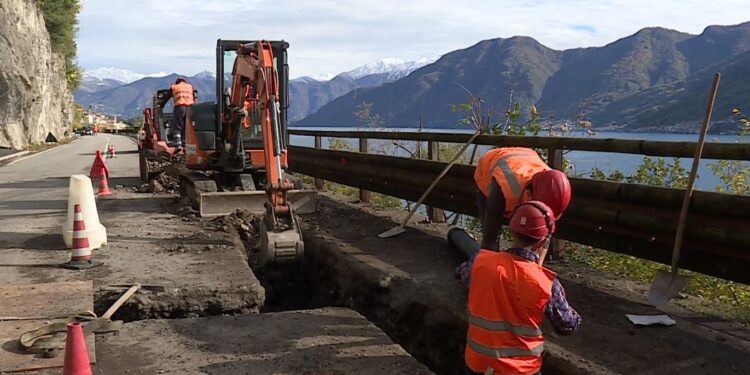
331, 36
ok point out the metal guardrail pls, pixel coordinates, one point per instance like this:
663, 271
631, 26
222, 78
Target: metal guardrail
712, 150
632, 219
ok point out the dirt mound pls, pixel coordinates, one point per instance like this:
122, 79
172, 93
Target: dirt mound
166, 181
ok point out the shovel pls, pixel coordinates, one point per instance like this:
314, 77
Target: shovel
395, 231
667, 285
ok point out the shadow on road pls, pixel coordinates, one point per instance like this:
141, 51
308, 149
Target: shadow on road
32, 241
50, 182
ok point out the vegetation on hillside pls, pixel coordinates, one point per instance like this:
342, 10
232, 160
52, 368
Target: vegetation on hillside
719, 297
61, 19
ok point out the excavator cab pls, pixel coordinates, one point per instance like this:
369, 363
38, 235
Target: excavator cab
236, 147
217, 125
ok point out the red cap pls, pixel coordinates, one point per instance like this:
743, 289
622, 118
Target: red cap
553, 188
533, 219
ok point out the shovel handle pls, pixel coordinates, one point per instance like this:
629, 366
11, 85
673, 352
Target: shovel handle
438, 178
112, 309
693, 173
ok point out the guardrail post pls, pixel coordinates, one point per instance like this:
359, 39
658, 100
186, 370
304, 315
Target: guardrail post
319, 182
555, 161
364, 195
436, 215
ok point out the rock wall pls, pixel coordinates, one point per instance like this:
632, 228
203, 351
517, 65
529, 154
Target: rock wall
34, 95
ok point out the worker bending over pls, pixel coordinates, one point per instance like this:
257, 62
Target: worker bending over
509, 294
506, 177
183, 96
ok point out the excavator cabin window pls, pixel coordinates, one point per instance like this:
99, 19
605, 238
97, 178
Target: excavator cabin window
252, 137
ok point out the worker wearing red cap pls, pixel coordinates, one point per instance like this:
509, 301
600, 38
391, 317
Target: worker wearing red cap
508, 176
183, 96
510, 292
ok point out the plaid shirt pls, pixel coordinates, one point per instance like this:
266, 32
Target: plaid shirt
563, 317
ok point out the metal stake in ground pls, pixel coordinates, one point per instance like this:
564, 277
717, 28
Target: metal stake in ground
667, 285
395, 231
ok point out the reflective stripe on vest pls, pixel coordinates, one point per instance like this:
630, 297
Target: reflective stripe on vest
503, 352
506, 309
503, 325
510, 177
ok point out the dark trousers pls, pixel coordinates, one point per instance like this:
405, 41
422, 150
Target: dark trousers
469, 372
178, 129
481, 205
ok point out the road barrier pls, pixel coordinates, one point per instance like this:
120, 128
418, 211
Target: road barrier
633, 219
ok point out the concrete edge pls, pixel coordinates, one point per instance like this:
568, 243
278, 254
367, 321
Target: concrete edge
33, 154
15, 155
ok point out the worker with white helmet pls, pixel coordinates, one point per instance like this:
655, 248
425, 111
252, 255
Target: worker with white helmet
510, 292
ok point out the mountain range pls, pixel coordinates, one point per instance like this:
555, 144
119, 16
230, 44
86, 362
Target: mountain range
114, 90
654, 80
129, 99
657, 79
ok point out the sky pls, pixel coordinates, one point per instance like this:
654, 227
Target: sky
332, 36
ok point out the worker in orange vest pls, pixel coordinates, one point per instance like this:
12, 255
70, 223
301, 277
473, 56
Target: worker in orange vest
183, 96
94, 129
510, 292
508, 176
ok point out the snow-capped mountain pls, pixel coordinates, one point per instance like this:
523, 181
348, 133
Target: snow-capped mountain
92, 84
395, 68
308, 94
122, 75
206, 75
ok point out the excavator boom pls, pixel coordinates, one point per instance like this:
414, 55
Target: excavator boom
237, 147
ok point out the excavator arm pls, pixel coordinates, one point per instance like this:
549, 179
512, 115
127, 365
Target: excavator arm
255, 89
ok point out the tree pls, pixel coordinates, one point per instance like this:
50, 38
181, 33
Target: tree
61, 20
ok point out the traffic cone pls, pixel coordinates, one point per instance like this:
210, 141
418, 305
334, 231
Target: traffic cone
76, 355
81, 256
81, 192
99, 169
103, 186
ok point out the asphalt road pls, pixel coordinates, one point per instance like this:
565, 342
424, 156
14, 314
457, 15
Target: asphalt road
34, 189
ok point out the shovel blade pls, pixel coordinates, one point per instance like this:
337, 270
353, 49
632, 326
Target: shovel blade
395, 231
666, 286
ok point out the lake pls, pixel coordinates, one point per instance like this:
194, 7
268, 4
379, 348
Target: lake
582, 161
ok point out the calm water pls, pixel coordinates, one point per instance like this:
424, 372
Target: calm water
584, 161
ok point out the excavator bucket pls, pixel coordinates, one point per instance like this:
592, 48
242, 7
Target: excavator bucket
226, 202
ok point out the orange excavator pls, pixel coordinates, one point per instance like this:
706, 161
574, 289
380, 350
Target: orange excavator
236, 149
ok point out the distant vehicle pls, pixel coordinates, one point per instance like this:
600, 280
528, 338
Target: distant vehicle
87, 131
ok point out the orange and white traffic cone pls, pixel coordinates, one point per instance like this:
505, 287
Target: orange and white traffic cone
81, 256
103, 186
76, 355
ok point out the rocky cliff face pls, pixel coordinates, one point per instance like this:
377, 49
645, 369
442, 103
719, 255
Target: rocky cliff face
34, 95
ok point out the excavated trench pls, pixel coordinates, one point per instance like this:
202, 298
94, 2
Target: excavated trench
317, 283
406, 312
402, 309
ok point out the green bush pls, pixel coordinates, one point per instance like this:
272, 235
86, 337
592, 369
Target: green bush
720, 297
61, 20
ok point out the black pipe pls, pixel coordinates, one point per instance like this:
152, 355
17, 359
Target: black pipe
462, 241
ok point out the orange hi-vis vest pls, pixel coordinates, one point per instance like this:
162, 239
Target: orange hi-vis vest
512, 168
507, 296
182, 94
